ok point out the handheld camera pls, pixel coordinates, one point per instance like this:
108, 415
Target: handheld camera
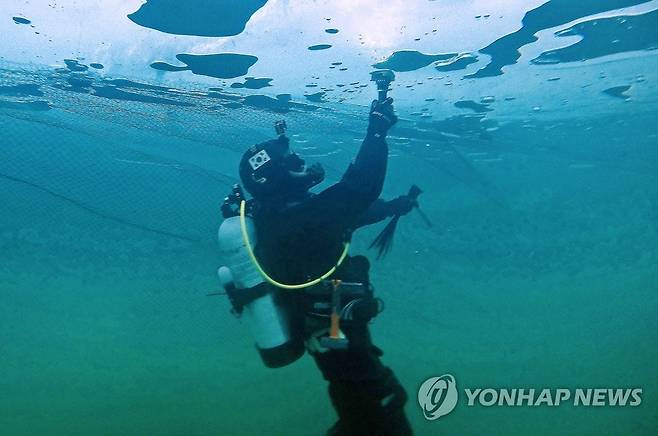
382, 79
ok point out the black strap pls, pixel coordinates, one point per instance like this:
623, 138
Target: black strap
241, 297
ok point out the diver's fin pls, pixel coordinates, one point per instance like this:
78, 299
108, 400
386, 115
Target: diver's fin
384, 241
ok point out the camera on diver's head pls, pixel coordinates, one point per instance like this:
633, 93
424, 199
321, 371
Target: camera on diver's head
280, 127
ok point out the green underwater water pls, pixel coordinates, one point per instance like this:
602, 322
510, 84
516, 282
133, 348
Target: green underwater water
539, 271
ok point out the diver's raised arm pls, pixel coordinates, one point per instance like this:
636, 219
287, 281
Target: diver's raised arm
366, 174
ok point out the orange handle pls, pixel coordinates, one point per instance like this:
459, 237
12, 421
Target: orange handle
335, 318
335, 323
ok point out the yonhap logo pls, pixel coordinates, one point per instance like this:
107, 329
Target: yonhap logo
437, 396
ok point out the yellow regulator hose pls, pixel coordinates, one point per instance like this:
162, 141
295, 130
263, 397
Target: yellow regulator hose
245, 237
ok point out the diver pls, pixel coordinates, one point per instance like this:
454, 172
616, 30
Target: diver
297, 237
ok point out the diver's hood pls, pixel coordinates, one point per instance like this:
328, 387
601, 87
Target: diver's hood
270, 170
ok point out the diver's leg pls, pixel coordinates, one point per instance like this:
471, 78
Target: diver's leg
367, 396
370, 407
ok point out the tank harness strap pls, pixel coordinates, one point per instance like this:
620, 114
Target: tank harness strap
239, 298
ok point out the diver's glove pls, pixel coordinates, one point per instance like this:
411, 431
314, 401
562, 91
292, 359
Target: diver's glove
382, 117
316, 172
402, 205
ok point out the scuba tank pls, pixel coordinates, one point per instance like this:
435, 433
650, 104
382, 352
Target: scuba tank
250, 295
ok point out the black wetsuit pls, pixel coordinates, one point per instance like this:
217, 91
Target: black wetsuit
303, 239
